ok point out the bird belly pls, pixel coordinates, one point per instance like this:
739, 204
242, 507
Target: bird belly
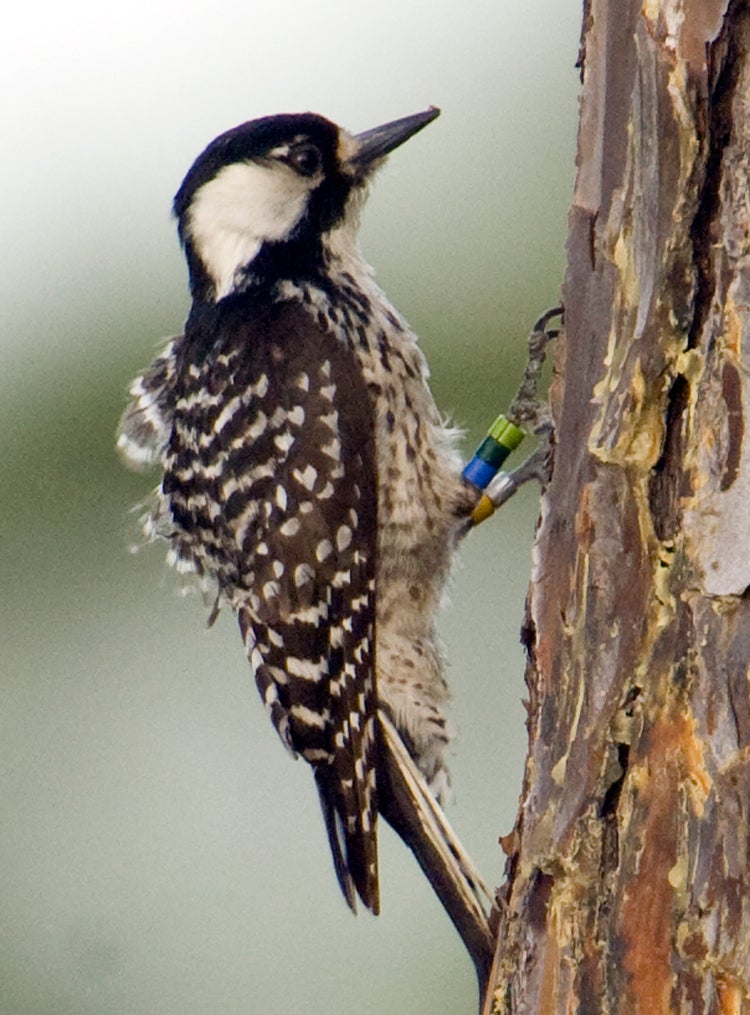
422, 501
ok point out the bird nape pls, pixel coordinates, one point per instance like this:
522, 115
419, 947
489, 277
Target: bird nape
308, 479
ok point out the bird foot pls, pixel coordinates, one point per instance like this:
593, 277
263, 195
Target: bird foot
526, 411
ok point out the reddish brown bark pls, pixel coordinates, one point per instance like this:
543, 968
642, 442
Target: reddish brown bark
628, 886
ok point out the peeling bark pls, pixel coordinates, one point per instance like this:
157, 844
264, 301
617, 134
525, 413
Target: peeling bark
628, 875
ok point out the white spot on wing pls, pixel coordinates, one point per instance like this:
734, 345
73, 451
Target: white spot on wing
303, 573
323, 550
310, 718
306, 669
284, 441
226, 413
331, 420
278, 417
290, 527
316, 754
343, 537
257, 427
332, 449
310, 614
307, 477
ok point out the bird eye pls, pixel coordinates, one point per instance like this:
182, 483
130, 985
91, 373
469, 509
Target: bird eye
306, 159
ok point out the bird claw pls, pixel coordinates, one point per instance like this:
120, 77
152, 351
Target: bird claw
525, 411
526, 407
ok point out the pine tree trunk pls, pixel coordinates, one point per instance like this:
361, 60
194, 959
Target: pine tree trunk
628, 885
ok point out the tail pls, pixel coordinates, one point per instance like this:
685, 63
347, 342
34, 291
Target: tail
406, 803
352, 837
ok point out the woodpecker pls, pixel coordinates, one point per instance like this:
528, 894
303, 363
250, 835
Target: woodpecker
309, 479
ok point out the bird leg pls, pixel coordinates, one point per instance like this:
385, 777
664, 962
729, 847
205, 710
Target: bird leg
526, 407
525, 413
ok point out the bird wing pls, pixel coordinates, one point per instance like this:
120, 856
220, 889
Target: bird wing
291, 426
144, 427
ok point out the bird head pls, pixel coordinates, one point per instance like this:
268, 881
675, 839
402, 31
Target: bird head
273, 198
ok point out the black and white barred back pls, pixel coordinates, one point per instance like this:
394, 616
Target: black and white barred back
307, 474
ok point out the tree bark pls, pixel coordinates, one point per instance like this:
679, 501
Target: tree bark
628, 874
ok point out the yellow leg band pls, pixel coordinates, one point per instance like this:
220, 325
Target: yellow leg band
484, 509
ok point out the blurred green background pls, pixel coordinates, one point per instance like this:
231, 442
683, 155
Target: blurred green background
161, 853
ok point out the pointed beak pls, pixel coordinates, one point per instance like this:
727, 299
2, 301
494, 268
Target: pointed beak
375, 144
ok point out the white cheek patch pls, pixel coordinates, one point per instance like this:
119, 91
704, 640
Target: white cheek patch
242, 207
